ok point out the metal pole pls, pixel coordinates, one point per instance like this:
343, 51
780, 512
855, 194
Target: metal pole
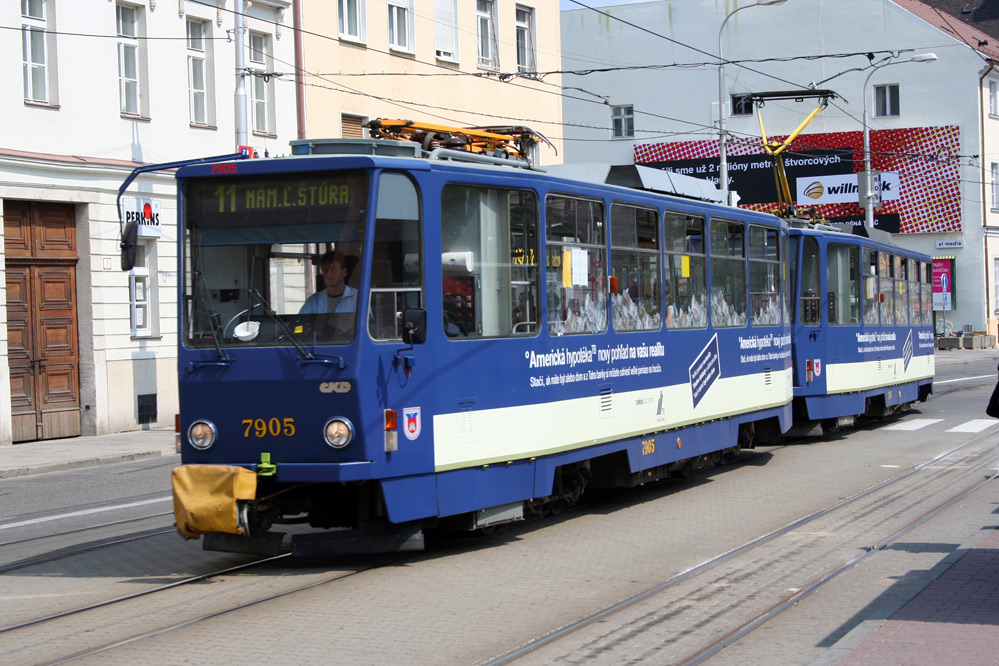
722, 106
242, 136
868, 176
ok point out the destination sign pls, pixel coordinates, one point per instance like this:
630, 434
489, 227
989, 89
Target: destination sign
285, 199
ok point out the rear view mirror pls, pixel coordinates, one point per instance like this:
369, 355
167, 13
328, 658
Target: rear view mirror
414, 326
129, 242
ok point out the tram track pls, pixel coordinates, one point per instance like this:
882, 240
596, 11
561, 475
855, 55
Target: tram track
655, 607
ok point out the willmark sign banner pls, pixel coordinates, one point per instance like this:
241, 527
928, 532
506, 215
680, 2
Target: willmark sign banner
918, 183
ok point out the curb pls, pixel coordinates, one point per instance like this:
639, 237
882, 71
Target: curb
13, 472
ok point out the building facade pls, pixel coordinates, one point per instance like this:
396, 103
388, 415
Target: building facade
445, 62
104, 87
667, 66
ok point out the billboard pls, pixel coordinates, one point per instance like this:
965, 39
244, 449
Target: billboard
919, 180
943, 283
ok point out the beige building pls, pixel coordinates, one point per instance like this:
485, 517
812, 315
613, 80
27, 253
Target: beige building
467, 63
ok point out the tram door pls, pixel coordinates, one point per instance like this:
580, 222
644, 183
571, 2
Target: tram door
43, 345
807, 343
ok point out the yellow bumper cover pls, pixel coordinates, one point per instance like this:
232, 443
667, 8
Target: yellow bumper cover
204, 497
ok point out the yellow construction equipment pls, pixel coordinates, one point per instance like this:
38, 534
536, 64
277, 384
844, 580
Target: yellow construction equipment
500, 141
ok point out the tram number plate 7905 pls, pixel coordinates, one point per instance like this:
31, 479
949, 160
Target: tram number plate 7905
273, 427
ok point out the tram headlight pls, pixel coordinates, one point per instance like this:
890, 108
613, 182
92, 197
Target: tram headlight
338, 432
202, 435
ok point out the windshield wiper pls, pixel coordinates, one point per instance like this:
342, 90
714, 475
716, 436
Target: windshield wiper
215, 324
306, 355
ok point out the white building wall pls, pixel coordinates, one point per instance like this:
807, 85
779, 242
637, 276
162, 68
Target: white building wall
77, 148
679, 102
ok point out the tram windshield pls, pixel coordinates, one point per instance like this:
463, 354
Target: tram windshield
271, 260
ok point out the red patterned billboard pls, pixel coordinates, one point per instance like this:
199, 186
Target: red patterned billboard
919, 183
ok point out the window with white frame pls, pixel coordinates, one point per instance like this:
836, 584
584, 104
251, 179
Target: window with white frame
886, 100
129, 90
993, 97
141, 291
485, 21
260, 83
400, 24
197, 71
995, 186
352, 24
527, 54
34, 50
446, 29
623, 122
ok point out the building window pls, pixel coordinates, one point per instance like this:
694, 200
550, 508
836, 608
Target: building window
352, 127
486, 34
128, 60
352, 20
622, 122
34, 49
261, 83
400, 24
527, 53
886, 100
140, 292
197, 77
446, 29
993, 98
995, 186
742, 105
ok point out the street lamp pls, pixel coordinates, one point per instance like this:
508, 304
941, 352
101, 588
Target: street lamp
722, 149
868, 176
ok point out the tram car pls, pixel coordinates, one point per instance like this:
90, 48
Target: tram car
382, 337
863, 335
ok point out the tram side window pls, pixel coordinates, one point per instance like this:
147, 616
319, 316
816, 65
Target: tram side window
635, 265
764, 276
914, 316
843, 284
728, 274
576, 266
686, 285
785, 278
870, 287
886, 288
809, 308
901, 290
489, 271
926, 293
396, 275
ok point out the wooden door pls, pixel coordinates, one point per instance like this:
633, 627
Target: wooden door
43, 344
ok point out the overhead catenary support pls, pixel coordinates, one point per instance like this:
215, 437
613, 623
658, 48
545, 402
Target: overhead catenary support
242, 135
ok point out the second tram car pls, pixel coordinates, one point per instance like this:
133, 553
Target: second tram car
375, 345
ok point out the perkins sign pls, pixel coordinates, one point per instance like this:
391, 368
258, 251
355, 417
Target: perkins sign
145, 212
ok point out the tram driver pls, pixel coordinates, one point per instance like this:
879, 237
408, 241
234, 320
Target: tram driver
336, 296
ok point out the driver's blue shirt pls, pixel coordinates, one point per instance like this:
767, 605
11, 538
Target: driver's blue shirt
318, 303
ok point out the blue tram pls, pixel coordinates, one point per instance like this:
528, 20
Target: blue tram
863, 335
375, 344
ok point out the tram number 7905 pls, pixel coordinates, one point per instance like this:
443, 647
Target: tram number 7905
274, 427
648, 447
